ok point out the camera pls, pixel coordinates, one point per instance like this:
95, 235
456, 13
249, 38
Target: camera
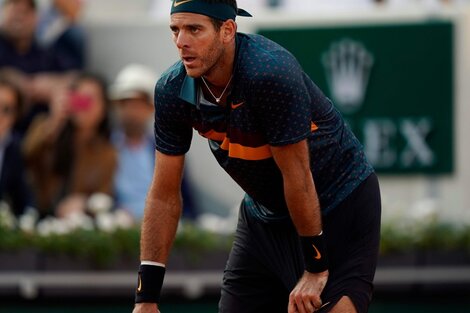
79, 102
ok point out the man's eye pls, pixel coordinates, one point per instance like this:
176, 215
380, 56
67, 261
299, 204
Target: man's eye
194, 30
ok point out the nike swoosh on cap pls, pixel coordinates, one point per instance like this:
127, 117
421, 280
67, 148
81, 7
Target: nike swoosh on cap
175, 4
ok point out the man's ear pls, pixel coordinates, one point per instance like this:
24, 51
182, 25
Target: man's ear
229, 30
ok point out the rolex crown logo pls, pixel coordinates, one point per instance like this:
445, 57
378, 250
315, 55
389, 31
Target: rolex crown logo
347, 65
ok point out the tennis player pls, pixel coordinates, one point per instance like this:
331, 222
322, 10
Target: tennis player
308, 232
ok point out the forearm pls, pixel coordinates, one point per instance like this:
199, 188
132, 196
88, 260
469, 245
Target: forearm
37, 140
162, 213
45, 85
303, 204
159, 227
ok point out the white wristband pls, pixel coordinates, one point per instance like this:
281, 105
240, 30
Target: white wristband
152, 263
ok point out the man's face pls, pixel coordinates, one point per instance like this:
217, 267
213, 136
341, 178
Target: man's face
199, 44
19, 19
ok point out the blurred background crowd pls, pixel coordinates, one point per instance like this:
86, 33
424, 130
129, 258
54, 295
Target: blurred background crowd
66, 134
77, 84
76, 134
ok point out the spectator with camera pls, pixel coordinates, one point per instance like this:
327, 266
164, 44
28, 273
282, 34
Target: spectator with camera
38, 71
69, 153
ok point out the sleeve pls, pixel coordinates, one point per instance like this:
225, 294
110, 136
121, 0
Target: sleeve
283, 104
173, 132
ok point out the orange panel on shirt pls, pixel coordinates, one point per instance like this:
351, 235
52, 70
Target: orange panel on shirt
212, 134
313, 127
238, 151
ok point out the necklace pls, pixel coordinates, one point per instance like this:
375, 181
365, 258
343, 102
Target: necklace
217, 99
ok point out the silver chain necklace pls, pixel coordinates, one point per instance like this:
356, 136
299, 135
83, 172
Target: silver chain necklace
217, 99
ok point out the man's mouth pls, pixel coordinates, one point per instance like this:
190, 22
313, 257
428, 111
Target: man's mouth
188, 60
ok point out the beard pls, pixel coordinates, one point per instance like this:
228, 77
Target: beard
209, 60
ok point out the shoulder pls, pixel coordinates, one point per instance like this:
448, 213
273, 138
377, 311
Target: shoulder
13, 143
264, 60
171, 80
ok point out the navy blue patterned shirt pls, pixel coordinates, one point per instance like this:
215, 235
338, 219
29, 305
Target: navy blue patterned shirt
272, 103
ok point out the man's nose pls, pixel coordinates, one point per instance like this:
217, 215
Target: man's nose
182, 40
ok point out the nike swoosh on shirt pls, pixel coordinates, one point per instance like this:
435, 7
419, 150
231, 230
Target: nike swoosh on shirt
234, 106
318, 256
175, 4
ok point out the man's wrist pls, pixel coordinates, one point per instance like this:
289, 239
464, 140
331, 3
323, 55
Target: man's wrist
315, 253
149, 283
152, 263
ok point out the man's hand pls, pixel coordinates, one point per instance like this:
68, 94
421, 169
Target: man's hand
146, 308
305, 298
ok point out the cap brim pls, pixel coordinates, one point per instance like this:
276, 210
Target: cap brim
241, 12
117, 95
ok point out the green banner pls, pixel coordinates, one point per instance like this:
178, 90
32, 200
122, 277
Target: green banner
393, 84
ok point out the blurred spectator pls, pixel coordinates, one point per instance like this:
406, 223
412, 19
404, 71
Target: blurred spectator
69, 152
133, 94
60, 32
13, 187
316, 5
37, 71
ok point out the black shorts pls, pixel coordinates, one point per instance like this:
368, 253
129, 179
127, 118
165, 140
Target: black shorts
266, 259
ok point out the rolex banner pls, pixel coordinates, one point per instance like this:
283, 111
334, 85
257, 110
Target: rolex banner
393, 84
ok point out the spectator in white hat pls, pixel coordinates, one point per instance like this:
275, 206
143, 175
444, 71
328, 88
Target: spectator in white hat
132, 92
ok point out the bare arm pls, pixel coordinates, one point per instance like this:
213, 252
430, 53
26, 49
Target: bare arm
304, 208
299, 187
162, 209
39, 87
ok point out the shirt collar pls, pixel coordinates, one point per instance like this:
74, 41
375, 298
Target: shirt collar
188, 90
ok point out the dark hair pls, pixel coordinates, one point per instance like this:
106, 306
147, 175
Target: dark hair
32, 3
216, 23
65, 151
19, 97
